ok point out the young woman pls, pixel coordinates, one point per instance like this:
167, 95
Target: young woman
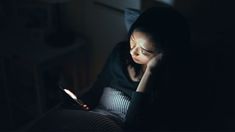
142, 84
141, 75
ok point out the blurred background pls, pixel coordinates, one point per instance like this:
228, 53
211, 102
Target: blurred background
44, 41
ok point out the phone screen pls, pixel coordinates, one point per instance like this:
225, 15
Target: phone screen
72, 96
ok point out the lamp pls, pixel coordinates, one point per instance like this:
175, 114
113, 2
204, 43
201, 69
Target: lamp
58, 35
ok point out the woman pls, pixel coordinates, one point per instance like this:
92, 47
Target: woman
138, 85
136, 80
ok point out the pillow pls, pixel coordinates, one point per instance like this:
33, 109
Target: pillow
130, 15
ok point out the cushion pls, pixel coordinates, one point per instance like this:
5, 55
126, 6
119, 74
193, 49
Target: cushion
130, 15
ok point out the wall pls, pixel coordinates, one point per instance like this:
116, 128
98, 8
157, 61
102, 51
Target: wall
102, 26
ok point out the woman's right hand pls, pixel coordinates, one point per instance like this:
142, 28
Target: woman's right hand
153, 62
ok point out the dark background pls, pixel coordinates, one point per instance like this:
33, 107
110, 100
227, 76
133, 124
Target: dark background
25, 21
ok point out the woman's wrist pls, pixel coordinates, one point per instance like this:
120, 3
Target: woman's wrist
149, 70
144, 81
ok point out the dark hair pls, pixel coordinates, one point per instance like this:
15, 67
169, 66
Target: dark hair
170, 32
167, 28
154, 37
166, 25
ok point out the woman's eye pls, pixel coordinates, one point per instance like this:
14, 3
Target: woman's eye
145, 52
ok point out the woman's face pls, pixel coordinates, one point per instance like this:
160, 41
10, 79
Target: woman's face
142, 49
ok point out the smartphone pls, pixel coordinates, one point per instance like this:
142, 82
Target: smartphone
74, 98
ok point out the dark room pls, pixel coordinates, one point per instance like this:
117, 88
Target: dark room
117, 65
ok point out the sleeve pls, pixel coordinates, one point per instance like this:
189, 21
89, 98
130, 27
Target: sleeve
135, 111
142, 112
92, 97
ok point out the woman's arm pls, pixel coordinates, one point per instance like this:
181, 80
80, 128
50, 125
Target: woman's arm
141, 110
139, 107
146, 78
144, 82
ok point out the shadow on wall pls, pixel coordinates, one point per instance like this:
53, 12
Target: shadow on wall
212, 35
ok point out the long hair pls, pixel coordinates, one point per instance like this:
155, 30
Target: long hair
169, 31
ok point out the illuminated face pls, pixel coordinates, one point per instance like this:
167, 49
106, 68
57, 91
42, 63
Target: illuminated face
142, 49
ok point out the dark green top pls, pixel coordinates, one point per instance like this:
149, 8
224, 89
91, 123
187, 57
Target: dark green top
115, 75
166, 105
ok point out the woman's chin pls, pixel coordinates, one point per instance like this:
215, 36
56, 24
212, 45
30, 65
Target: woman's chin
137, 61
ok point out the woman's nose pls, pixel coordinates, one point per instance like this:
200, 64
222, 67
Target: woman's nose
134, 51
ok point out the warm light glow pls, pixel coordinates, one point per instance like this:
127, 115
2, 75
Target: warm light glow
70, 94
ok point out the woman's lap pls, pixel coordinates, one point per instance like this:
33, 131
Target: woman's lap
75, 120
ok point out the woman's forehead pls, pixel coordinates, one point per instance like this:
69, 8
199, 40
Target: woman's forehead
143, 38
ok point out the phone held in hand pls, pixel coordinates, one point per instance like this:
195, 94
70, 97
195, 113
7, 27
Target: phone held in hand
72, 96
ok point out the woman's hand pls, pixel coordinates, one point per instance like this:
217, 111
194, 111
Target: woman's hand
145, 80
153, 62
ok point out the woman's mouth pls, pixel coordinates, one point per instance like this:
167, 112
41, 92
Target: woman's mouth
134, 59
